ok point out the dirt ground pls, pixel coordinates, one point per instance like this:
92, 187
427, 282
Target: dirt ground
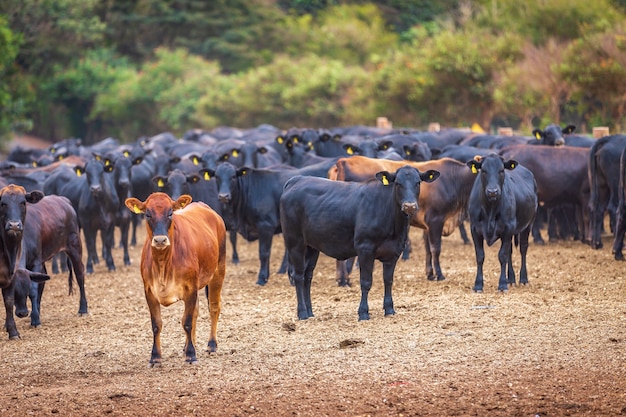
554, 348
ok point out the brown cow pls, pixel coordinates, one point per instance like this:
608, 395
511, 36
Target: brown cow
13, 199
441, 203
184, 251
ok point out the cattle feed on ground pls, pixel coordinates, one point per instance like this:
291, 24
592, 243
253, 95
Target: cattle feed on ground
370, 220
184, 251
502, 205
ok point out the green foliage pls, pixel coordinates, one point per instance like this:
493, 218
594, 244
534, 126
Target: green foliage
595, 67
352, 34
162, 96
310, 91
540, 20
14, 87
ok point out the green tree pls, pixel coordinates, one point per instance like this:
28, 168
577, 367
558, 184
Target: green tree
595, 68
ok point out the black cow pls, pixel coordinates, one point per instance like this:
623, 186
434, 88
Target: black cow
13, 199
554, 135
502, 205
95, 200
620, 212
561, 177
51, 227
370, 220
604, 166
251, 198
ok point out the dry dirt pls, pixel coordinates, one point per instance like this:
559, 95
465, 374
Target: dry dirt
554, 348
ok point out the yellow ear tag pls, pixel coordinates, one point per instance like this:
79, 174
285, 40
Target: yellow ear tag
385, 180
34, 164
349, 151
136, 209
207, 176
235, 153
474, 170
107, 162
53, 150
195, 161
126, 154
430, 177
79, 173
60, 157
538, 135
512, 166
160, 184
280, 140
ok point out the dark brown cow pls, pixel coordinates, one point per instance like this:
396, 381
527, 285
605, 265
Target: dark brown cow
441, 203
13, 199
184, 251
51, 227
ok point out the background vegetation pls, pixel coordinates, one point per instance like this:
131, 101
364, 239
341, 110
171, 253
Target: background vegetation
98, 68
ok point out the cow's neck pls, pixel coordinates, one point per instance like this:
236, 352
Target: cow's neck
11, 252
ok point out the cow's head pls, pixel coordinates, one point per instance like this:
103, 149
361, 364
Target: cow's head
490, 169
158, 210
226, 176
407, 183
553, 134
13, 199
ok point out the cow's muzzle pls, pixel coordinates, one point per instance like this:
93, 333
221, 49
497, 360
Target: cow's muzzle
409, 208
224, 198
14, 228
160, 242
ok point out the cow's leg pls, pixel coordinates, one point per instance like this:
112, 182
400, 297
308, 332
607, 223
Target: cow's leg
504, 258
536, 229
92, 255
35, 294
157, 326
366, 266
479, 249
311, 258
124, 239
233, 245
75, 253
596, 215
190, 317
430, 275
265, 249
343, 278
388, 271
9, 303
108, 242
435, 231
296, 273
407, 250
510, 271
523, 249
284, 264
463, 232
214, 295
620, 231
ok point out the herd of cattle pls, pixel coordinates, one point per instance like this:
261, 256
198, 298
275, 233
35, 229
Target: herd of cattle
350, 193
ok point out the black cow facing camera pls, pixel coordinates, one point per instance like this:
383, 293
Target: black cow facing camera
502, 205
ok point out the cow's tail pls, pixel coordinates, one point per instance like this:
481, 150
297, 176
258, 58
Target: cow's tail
591, 171
70, 279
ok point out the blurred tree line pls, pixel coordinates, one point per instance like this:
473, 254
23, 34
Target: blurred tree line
129, 68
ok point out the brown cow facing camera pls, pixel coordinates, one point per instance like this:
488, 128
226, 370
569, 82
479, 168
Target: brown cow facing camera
184, 251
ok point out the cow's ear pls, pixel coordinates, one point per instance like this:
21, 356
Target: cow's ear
324, 137
537, 133
235, 153
108, 168
195, 159
280, 140
243, 171
385, 177
135, 205
474, 165
97, 156
79, 170
310, 146
384, 145
350, 150
262, 150
569, 129
296, 138
407, 150
337, 137
159, 181
511, 164
174, 159
430, 175
107, 162
193, 178
181, 202
224, 157
207, 174
138, 160
34, 196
